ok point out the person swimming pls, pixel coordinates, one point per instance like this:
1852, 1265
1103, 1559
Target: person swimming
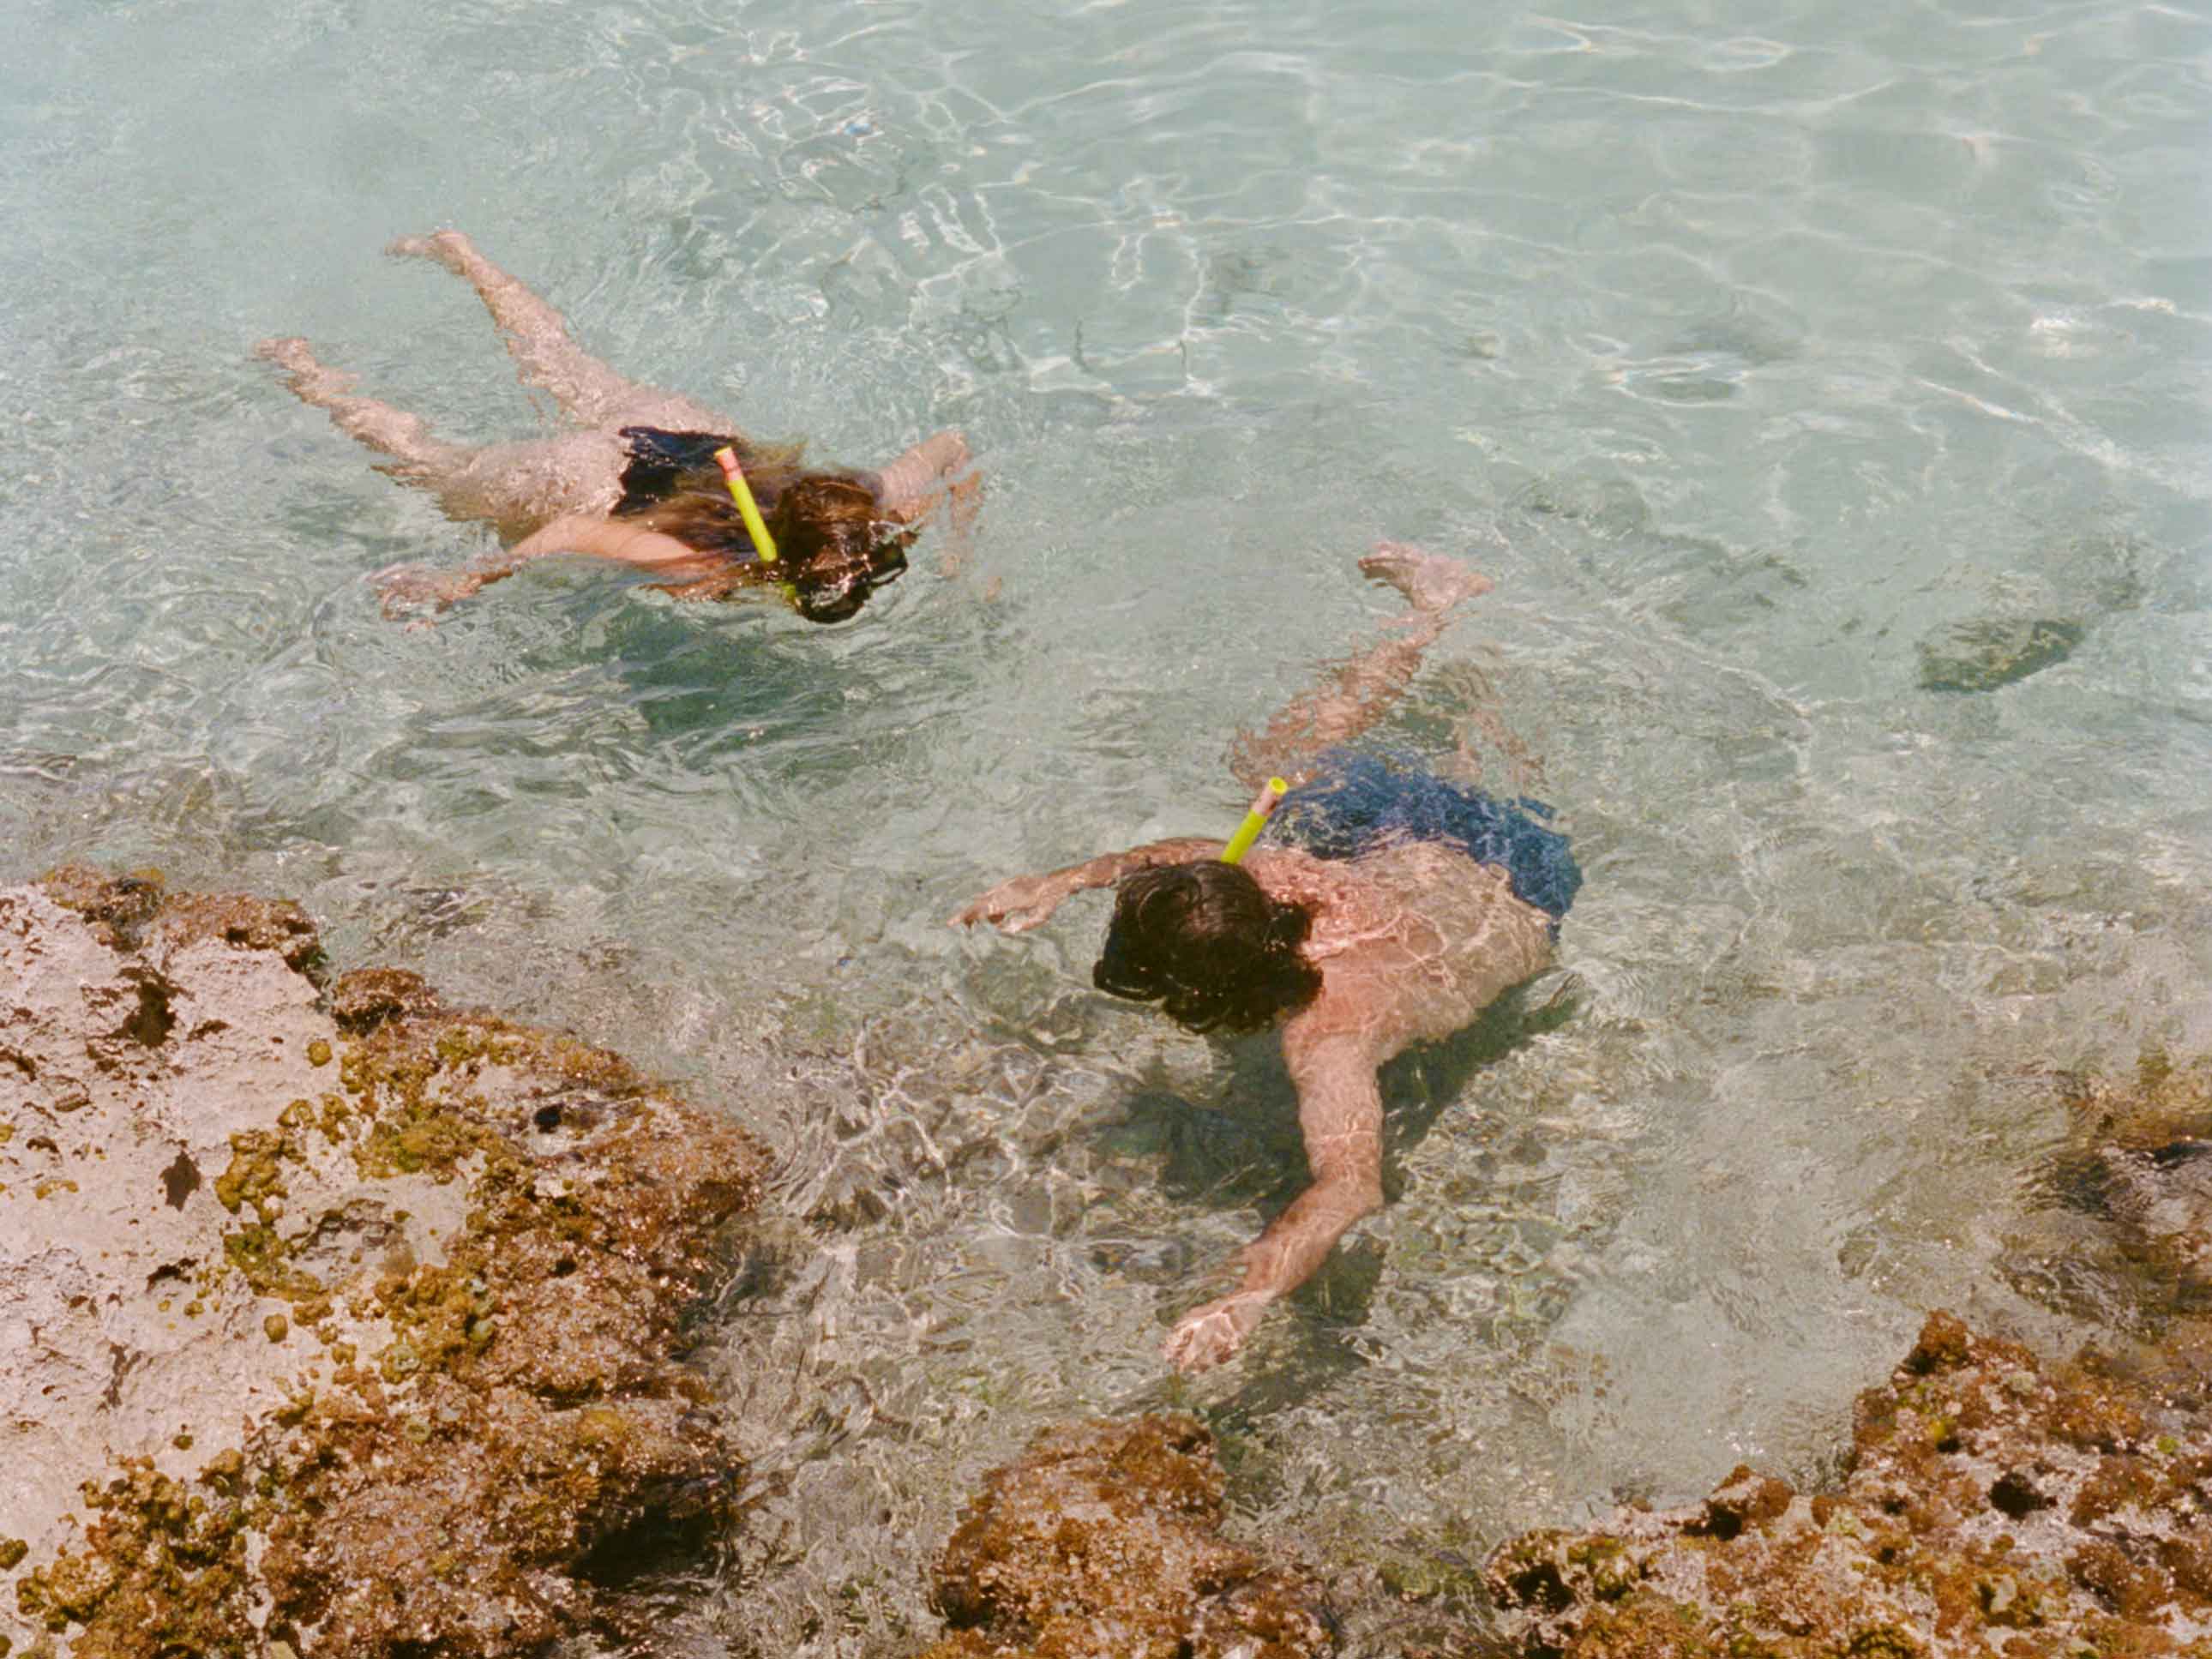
640, 485
1393, 908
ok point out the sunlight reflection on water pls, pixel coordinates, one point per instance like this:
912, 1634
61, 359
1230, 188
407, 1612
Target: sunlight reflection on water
1744, 362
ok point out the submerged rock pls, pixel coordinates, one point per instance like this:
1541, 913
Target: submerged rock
2145, 1164
1104, 1542
1993, 1505
342, 1324
1981, 656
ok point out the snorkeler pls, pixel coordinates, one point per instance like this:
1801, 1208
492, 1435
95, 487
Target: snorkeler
1393, 907
653, 480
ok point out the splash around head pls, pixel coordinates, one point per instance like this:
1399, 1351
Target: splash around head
1205, 942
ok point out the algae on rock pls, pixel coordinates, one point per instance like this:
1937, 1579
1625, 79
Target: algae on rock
1104, 1541
350, 1363
1993, 1505
1985, 655
2144, 1163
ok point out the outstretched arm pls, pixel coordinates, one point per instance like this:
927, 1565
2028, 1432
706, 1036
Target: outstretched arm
406, 586
1340, 1115
1023, 902
606, 538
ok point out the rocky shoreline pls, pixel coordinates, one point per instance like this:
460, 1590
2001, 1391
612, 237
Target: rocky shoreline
339, 1321
1992, 1505
1104, 1541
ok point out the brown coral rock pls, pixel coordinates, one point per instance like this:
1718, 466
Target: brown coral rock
136, 911
243, 921
364, 999
2147, 1152
1993, 1506
477, 1239
1103, 1542
116, 906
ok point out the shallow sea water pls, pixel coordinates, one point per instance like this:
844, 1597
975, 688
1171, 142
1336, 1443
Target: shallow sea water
1748, 348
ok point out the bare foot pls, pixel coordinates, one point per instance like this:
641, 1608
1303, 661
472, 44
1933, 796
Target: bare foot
295, 355
449, 248
289, 351
1205, 1336
307, 378
1429, 581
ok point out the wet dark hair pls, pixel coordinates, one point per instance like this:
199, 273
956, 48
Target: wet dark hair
829, 529
1205, 941
833, 543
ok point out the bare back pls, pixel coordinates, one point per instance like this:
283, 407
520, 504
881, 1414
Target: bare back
1412, 941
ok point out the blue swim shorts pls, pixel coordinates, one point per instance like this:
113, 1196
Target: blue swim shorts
1360, 799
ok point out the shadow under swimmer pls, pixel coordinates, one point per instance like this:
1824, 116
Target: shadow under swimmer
1390, 909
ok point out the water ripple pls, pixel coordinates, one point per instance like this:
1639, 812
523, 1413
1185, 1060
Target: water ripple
1747, 355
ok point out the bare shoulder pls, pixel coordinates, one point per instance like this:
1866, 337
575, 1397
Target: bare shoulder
1394, 894
1424, 866
1412, 941
1388, 889
1292, 877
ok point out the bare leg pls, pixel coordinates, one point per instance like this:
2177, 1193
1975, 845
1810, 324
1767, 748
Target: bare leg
588, 391
1352, 695
514, 487
418, 458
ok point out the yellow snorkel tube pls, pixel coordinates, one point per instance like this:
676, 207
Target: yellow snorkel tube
748, 509
1263, 805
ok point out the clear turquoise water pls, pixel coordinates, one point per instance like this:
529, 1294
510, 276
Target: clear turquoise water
1748, 348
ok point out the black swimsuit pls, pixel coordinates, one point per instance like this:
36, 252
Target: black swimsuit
658, 460
661, 462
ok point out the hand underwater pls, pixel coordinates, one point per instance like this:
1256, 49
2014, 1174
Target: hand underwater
1013, 907
1205, 1336
403, 589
